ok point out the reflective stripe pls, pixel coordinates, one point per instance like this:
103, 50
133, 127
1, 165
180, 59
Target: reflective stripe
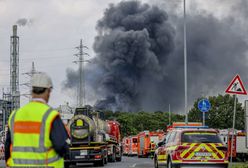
43, 127
12, 126
29, 149
35, 161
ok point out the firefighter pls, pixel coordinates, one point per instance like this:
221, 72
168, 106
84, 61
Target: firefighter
36, 136
152, 148
152, 145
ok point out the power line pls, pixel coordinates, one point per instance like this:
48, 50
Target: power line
46, 50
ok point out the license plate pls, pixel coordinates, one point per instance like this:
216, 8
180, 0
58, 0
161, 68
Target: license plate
79, 157
83, 152
203, 154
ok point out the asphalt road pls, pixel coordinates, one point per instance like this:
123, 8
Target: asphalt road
127, 162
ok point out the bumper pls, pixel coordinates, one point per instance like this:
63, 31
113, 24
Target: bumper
85, 156
202, 164
90, 160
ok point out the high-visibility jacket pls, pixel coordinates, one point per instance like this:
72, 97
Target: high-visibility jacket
30, 128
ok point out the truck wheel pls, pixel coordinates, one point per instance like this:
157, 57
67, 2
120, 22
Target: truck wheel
105, 160
118, 159
99, 163
113, 157
66, 164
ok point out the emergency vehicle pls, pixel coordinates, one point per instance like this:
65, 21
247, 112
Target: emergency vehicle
125, 145
191, 147
239, 143
182, 124
133, 145
147, 142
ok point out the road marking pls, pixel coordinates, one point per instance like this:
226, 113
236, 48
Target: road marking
134, 165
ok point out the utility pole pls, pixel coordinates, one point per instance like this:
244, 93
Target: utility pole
80, 61
28, 84
169, 115
185, 65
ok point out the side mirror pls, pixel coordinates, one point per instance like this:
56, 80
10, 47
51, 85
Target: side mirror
160, 144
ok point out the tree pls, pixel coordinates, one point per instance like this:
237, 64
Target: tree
221, 113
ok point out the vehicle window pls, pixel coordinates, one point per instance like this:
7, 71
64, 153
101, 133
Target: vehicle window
172, 137
135, 140
200, 137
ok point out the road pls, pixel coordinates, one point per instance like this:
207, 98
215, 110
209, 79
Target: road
127, 162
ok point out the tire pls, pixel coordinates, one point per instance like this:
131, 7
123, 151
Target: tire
114, 157
105, 160
99, 163
118, 159
67, 165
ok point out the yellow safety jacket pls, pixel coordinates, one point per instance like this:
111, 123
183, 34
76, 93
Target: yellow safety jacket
30, 128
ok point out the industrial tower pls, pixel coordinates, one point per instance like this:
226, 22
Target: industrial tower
14, 68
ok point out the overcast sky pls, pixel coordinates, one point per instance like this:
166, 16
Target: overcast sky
53, 30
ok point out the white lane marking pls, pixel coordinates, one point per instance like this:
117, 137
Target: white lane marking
134, 165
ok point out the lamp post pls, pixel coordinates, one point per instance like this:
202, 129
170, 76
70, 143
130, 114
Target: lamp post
185, 64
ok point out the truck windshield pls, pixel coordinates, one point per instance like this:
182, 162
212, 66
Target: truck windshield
200, 137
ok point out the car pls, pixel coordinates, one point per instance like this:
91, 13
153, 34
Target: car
191, 147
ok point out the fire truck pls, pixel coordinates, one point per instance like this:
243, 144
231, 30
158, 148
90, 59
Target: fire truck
147, 142
239, 143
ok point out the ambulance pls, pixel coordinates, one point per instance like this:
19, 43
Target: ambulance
133, 146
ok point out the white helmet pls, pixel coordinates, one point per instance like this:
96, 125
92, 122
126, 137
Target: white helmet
41, 80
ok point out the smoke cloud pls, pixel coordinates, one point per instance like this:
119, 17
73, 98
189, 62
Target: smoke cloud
24, 22
139, 57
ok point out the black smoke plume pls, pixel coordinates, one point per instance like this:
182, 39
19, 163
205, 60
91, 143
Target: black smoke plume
139, 57
132, 46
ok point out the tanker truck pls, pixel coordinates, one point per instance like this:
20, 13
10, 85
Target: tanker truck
93, 140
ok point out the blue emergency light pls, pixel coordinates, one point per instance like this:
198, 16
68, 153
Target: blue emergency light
193, 127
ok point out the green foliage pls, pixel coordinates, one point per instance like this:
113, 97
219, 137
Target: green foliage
221, 113
133, 123
220, 116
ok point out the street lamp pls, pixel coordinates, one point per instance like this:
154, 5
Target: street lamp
185, 64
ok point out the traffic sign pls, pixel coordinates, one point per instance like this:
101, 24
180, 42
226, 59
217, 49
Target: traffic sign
204, 105
236, 86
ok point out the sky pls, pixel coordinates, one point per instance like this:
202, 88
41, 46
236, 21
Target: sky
53, 28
